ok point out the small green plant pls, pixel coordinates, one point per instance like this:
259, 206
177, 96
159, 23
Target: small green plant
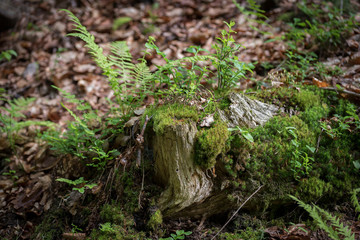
330, 224
229, 68
179, 234
183, 76
107, 227
355, 200
12, 174
75, 229
130, 82
11, 117
301, 163
323, 23
85, 137
246, 134
118, 22
7, 55
78, 182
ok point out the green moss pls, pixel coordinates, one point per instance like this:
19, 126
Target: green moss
52, 226
209, 144
116, 232
224, 103
312, 115
169, 115
247, 233
112, 213
310, 190
117, 225
156, 220
300, 100
306, 99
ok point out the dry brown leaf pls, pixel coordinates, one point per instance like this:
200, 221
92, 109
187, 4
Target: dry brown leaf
319, 83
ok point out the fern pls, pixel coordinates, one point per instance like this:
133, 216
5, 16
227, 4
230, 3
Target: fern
355, 201
10, 118
123, 75
322, 218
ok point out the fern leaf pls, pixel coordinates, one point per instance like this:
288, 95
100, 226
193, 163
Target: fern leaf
29, 123
335, 223
79, 121
122, 59
322, 217
143, 76
355, 201
94, 49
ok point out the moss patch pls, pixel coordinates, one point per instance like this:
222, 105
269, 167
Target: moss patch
52, 226
209, 144
169, 115
313, 188
116, 224
156, 220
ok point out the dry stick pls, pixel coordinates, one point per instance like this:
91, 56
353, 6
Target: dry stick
341, 90
237, 212
138, 160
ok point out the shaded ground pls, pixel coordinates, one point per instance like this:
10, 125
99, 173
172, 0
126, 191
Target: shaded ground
47, 57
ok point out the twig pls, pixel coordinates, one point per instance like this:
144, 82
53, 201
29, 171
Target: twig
341, 90
237, 212
142, 185
318, 141
140, 141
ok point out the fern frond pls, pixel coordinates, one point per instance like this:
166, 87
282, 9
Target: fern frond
355, 201
79, 121
20, 125
81, 105
322, 217
122, 59
143, 76
18, 105
335, 224
96, 51
192, 59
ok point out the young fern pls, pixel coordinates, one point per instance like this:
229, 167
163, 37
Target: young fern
355, 201
322, 218
9, 119
123, 75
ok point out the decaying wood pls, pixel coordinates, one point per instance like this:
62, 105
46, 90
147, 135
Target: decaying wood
189, 190
244, 111
185, 182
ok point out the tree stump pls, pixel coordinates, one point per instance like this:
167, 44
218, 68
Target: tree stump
190, 190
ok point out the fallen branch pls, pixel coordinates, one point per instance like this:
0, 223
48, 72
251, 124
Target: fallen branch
237, 212
341, 90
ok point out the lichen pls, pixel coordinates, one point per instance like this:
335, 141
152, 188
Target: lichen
209, 144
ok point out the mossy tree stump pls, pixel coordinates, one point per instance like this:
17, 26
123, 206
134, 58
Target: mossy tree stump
192, 189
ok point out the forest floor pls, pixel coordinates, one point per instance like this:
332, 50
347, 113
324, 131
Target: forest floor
46, 57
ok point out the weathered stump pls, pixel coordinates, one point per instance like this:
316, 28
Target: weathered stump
190, 190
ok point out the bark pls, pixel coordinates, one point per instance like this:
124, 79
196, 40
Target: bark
185, 182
